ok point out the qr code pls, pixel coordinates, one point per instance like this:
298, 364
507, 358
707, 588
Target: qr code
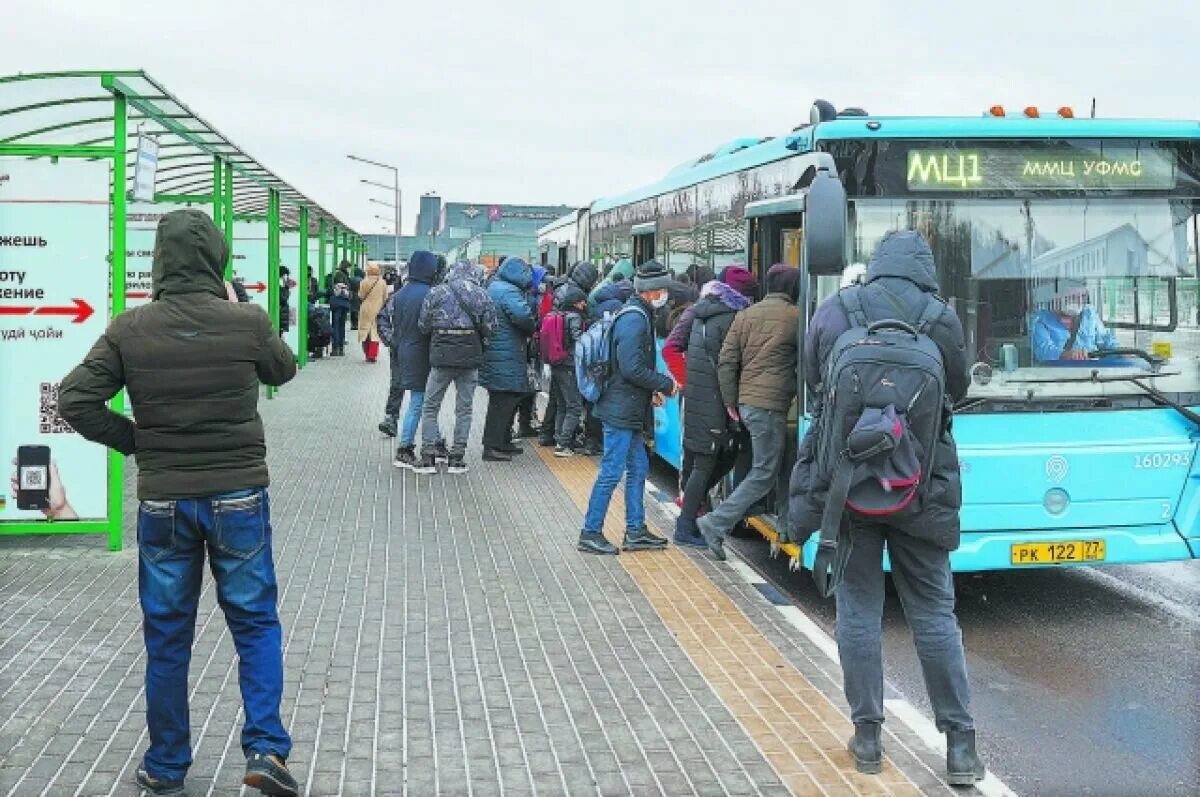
49, 421
33, 478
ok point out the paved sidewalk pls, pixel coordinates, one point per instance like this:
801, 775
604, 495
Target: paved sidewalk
442, 636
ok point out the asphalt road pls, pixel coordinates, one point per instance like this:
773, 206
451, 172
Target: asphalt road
1086, 681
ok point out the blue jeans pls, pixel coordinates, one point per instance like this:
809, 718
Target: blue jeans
624, 453
235, 529
412, 418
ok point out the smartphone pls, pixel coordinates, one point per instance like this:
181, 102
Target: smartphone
33, 477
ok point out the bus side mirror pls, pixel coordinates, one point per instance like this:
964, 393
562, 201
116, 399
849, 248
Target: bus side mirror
825, 225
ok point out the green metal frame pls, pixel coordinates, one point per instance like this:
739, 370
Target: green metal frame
234, 177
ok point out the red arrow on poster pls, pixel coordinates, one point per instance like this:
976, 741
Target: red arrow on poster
81, 310
137, 294
257, 287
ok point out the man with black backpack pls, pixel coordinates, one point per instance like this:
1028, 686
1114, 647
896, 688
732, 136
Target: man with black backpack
884, 363
459, 318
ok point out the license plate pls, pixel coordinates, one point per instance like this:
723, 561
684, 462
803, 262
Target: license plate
1054, 553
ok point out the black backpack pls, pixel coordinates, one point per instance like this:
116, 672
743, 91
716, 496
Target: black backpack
882, 410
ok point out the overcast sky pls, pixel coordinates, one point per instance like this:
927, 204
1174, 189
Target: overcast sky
562, 102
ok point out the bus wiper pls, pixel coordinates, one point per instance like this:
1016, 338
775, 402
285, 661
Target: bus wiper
1156, 395
1153, 360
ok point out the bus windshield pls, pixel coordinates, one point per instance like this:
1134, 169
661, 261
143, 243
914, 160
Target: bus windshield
1048, 290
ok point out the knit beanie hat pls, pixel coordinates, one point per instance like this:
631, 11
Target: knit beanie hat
651, 276
741, 280
782, 278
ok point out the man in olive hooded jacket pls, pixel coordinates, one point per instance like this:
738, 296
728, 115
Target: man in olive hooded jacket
192, 362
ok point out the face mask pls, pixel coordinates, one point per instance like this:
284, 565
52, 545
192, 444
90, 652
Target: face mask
660, 302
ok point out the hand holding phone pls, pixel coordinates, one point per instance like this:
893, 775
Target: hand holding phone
36, 484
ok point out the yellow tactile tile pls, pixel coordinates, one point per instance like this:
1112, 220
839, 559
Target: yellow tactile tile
800, 732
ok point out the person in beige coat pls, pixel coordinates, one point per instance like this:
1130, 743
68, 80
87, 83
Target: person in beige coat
373, 293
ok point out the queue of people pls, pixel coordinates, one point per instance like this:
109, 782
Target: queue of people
203, 477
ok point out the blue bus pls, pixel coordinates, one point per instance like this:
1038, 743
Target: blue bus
1068, 248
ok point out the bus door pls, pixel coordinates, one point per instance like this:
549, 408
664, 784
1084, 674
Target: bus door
643, 243
775, 234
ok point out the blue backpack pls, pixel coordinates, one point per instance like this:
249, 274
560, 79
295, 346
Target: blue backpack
593, 355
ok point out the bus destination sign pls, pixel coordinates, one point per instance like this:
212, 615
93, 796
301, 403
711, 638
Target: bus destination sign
1068, 167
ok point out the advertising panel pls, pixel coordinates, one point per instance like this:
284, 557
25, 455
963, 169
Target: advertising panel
54, 285
250, 260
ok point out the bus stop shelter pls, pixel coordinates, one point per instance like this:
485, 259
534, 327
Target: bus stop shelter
88, 162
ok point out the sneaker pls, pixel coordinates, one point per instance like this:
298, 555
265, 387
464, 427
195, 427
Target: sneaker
456, 464
593, 449
512, 449
546, 442
562, 452
716, 543
440, 452
643, 540
388, 427
687, 534
495, 455
528, 431
269, 774
406, 457
597, 544
428, 464
167, 788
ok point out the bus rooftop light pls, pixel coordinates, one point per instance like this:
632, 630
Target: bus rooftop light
996, 110
1066, 113
1032, 112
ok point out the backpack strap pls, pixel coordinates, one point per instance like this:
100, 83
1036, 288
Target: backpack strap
852, 303
833, 548
934, 307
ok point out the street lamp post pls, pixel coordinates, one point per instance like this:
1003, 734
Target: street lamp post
395, 187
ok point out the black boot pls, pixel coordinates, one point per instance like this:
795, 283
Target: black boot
964, 767
866, 748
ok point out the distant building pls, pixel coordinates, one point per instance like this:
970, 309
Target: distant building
443, 227
478, 217
429, 219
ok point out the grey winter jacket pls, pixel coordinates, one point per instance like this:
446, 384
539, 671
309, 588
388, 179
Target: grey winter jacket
459, 330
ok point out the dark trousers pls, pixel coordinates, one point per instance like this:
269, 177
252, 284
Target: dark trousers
497, 427
338, 317
568, 406
550, 415
701, 473
395, 392
526, 410
921, 571
593, 430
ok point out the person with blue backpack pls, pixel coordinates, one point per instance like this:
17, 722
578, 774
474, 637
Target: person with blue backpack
620, 351
884, 363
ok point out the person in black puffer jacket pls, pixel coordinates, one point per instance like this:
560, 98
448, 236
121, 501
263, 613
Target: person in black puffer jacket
711, 442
